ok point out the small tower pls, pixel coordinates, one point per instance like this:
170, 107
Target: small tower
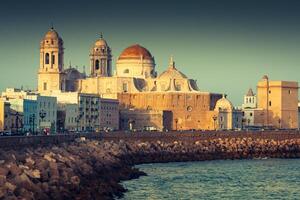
100, 58
250, 100
51, 76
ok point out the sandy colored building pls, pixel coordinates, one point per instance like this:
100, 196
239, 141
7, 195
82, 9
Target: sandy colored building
135, 119
279, 103
275, 105
135, 83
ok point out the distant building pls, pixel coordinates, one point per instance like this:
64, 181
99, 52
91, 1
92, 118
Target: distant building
135, 83
109, 114
93, 113
227, 117
5, 119
40, 113
67, 115
134, 119
276, 105
30, 116
279, 102
249, 108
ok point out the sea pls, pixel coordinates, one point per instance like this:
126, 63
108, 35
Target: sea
219, 179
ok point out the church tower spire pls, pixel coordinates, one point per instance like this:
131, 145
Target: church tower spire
51, 76
100, 58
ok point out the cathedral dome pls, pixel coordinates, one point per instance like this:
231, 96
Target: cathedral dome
52, 34
100, 42
223, 104
135, 52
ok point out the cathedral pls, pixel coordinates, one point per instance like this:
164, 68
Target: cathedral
169, 100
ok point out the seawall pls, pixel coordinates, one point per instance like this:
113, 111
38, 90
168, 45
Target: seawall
40, 140
93, 169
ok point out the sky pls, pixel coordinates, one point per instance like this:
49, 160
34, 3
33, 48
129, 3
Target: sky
227, 46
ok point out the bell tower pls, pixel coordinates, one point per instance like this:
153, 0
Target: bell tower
100, 58
51, 76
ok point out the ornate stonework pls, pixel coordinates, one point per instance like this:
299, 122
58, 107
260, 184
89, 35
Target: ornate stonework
138, 87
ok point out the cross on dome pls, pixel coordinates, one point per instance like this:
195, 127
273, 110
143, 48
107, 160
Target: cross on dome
172, 63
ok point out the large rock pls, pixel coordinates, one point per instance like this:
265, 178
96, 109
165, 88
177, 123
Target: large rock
2, 180
35, 174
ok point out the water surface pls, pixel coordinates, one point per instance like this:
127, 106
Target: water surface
221, 179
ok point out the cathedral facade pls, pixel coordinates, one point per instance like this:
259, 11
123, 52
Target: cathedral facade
135, 83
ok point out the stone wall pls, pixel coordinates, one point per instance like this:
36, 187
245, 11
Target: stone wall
28, 141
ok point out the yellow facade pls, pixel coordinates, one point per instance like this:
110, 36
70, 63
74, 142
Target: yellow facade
278, 103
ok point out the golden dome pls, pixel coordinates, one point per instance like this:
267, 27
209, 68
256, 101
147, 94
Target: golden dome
100, 42
223, 104
135, 52
52, 34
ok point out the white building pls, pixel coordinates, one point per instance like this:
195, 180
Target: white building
45, 108
228, 117
67, 117
249, 108
109, 114
92, 114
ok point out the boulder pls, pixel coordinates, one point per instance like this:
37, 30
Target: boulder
2, 180
10, 187
35, 174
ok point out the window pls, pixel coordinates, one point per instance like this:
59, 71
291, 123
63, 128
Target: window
290, 91
251, 114
250, 100
97, 64
126, 71
53, 59
189, 118
270, 103
269, 91
47, 58
45, 86
125, 87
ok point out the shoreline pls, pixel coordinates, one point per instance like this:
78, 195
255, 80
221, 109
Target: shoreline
93, 169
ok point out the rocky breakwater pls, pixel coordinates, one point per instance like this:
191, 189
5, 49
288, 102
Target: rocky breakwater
89, 169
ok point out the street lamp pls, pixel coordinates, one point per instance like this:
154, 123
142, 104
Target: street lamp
42, 115
31, 122
215, 118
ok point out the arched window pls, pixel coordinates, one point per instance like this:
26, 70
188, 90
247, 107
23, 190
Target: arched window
53, 59
47, 58
126, 71
97, 64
